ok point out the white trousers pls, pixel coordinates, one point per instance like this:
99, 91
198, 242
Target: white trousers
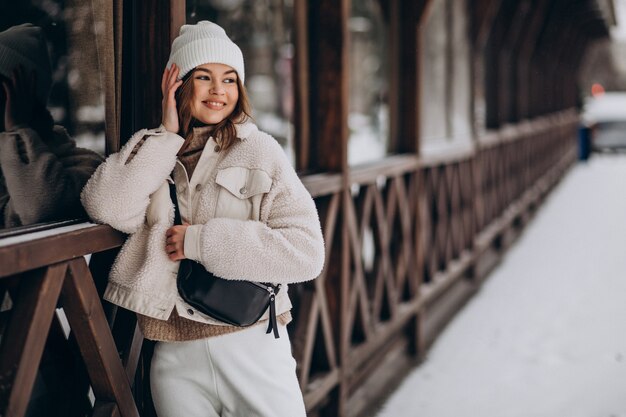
247, 373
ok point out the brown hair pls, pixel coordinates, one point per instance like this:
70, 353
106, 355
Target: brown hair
224, 132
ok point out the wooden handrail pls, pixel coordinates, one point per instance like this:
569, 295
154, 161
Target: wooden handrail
38, 250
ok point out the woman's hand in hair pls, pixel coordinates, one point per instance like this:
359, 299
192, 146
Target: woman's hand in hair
175, 242
169, 85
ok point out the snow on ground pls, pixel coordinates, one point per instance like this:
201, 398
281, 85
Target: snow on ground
546, 334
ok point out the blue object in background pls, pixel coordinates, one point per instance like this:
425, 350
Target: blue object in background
584, 142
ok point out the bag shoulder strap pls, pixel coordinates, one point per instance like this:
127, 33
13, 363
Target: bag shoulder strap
177, 219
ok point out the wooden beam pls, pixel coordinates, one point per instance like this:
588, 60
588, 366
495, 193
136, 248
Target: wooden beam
507, 63
494, 51
483, 14
177, 18
539, 12
84, 313
128, 339
36, 253
105, 409
301, 86
411, 17
541, 59
512, 110
556, 74
565, 72
25, 338
396, 67
112, 61
151, 37
329, 84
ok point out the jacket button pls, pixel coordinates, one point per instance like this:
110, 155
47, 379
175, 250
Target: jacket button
198, 187
217, 148
243, 190
190, 312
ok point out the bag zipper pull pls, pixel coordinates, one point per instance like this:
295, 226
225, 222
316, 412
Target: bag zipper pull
272, 325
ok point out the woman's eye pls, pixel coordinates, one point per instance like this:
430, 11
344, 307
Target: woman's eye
229, 80
202, 77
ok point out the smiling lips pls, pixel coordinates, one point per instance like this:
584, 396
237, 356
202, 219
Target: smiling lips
214, 105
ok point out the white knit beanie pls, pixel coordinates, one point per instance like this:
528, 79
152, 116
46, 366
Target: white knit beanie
25, 45
205, 43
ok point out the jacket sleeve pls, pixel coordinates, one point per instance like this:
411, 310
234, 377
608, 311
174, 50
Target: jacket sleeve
286, 246
119, 192
43, 179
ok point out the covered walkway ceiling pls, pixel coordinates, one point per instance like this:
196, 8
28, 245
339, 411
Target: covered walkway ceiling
529, 52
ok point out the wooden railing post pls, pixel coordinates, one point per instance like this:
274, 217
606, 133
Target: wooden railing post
24, 340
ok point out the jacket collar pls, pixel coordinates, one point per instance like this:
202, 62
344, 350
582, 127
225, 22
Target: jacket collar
244, 130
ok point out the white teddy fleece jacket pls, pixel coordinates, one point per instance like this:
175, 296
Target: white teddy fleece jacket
251, 218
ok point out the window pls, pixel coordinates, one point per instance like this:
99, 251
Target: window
72, 33
368, 118
446, 82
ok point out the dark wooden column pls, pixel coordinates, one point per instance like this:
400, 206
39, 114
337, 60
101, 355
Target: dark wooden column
410, 16
589, 25
496, 65
113, 73
508, 69
150, 35
328, 94
301, 86
542, 92
576, 60
558, 70
560, 16
528, 44
483, 14
329, 85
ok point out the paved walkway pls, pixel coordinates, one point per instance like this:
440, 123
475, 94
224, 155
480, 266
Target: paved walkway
546, 334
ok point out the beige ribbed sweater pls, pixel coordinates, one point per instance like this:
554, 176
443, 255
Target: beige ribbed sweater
176, 328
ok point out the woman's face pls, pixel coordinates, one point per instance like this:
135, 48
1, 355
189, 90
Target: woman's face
215, 93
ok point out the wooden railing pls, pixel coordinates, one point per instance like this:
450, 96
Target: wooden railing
408, 239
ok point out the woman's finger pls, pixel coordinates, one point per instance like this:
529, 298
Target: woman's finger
6, 85
10, 89
170, 75
174, 73
172, 92
171, 249
174, 77
175, 84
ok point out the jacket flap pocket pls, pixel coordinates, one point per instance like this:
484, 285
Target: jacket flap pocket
243, 182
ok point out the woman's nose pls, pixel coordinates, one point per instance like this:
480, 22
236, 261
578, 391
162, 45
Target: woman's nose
216, 88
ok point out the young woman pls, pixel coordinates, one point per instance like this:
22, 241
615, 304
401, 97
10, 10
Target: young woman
246, 215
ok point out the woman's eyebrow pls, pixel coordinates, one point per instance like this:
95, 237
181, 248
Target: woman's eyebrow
210, 72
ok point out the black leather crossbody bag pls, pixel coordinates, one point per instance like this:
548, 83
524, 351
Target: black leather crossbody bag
239, 303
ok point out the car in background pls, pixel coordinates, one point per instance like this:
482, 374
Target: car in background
605, 114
